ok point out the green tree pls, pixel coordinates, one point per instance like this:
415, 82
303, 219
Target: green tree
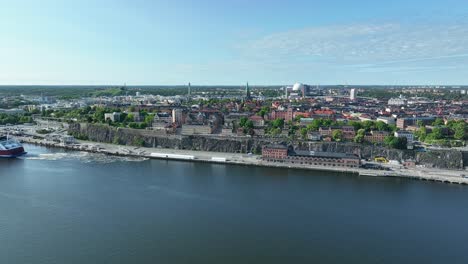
421, 133
337, 135
395, 142
249, 124
277, 123
298, 118
392, 128
381, 126
275, 131
438, 122
357, 125
435, 134
368, 125
263, 111
129, 118
359, 138
242, 121
460, 131
149, 119
133, 125
315, 125
304, 133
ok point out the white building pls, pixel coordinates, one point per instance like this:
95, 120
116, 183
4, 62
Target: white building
352, 94
397, 101
408, 135
112, 116
188, 130
297, 87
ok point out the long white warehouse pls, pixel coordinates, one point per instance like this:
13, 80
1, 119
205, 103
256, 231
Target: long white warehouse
218, 159
172, 156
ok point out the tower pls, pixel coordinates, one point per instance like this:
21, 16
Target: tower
247, 91
352, 94
189, 92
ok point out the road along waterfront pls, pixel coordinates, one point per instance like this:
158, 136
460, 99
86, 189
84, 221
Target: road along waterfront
429, 174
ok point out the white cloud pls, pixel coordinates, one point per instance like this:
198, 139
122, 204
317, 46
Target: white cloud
362, 44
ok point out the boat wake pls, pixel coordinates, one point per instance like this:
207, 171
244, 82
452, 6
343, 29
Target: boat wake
84, 157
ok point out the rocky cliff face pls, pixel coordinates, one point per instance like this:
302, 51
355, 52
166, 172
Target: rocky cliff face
364, 151
148, 138
452, 159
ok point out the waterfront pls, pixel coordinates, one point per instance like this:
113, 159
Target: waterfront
78, 207
428, 174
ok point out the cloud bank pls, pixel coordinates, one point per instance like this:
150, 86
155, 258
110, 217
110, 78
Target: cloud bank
366, 46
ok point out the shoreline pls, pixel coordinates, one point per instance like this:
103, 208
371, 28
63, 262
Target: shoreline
426, 174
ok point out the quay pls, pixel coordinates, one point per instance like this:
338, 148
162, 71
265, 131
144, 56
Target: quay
426, 174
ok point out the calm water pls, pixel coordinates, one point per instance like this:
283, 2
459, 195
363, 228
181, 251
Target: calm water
86, 208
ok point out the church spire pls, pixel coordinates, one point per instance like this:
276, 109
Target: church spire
247, 91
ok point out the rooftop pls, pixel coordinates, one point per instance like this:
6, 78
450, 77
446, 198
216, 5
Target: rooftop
276, 146
324, 154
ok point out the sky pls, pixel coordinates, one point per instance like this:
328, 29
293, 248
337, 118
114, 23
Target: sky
214, 42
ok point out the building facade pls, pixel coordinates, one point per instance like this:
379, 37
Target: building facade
286, 115
404, 122
177, 116
281, 154
189, 130
408, 135
275, 152
114, 117
376, 136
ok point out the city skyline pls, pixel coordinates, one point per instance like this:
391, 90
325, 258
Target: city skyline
212, 43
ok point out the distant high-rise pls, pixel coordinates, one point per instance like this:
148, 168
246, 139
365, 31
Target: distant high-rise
352, 94
189, 92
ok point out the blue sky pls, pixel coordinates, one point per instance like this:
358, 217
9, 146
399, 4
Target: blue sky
231, 42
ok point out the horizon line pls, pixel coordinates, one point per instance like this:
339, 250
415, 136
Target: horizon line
240, 85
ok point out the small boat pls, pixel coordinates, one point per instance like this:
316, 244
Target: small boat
10, 148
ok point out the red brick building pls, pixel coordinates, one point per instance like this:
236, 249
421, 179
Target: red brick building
348, 132
325, 113
329, 159
303, 114
275, 152
376, 136
286, 115
280, 153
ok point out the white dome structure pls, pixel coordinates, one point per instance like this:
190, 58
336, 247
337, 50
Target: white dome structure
297, 87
